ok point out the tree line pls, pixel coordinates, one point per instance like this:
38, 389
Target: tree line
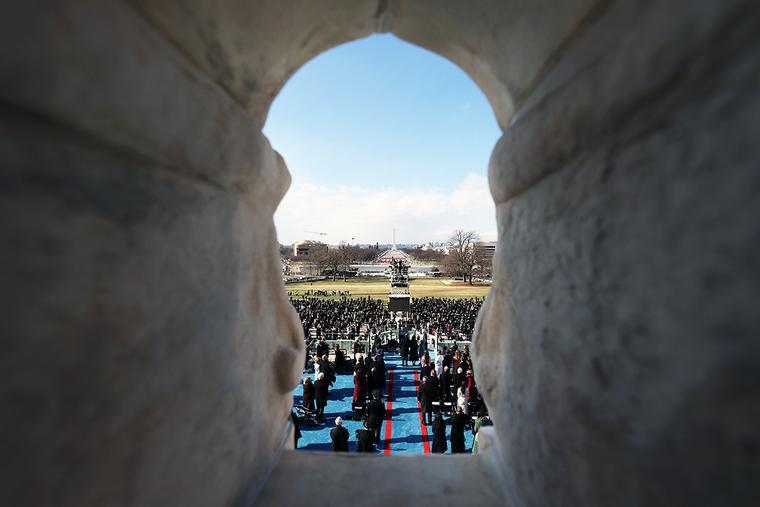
464, 259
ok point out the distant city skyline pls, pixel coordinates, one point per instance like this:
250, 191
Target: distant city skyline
380, 244
380, 134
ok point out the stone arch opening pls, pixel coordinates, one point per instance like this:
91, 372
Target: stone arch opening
616, 385
506, 85
393, 194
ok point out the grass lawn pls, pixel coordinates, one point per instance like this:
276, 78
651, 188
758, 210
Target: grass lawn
379, 288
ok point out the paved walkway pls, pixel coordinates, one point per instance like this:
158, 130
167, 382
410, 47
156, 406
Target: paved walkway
403, 432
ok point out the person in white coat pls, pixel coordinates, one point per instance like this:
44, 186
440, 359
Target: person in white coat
462, 397
438, 362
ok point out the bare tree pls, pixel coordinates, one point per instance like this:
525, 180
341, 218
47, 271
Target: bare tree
333, 260
463, 256
318, 261
350, 255
424, 255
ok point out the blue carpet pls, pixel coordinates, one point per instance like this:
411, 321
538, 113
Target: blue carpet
406, 432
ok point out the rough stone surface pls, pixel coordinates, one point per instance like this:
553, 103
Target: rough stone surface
319, 479
100, 68
624, 310
617, 351
135, 334
252, 48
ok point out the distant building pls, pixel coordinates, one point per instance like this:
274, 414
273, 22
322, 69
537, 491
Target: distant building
485, 250
394, 255
306, 247
435, 247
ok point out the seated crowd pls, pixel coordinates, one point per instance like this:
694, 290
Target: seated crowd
447, 316
350, 317
325, 293
333, 318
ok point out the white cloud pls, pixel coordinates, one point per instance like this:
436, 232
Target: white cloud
370, 214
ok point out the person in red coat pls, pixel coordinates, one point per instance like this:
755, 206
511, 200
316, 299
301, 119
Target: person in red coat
360, 387
472, 390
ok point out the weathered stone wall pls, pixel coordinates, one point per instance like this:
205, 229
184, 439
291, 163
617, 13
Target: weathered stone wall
141, 284
252, 47
618, 350
624, 313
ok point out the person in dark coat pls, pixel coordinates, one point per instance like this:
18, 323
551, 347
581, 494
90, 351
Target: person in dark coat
458, 422
435, 385
404, 349
359, 366
445, 383
322, 347
378, 380
364, 441
308, 394
439, 435
324, 367
339, 436
446, 358
296, 429
380, 374
340, 360
375, 415
467, 364
357, 347
426, 368
457, 378
413, 351
425, 397
321, 388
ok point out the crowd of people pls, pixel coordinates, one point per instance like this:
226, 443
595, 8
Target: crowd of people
369, 377
447, 316
332, 318
447, 379
348, 317
325, 293
447, 384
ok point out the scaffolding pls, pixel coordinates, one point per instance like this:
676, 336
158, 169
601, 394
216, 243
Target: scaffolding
399, 300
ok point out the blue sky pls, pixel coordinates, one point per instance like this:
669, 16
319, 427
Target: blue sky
379, 133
